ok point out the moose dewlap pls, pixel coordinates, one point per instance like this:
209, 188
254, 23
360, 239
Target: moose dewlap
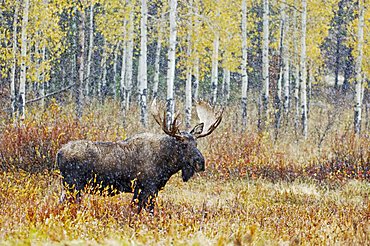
141, 164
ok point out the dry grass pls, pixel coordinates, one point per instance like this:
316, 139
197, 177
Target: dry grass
255, 190
203, 211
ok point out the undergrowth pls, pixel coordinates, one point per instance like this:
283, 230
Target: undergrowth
32, 144
201, 212
254, 155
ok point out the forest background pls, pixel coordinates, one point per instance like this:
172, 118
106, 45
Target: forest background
292, 77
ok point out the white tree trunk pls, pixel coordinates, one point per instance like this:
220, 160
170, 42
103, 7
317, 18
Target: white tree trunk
265, 62
115, 73
188, 85
156, 68
158, 56
42, 78
359, 90
122, 87
122, 84
285, 59
14, 62
188, 97
90, 52
81, 63
22, 85
36, 60
214, 75
195, 91
308, 89
142, 73
74, 32
171, 61
102, 85
130, 50
196, 80
283, 56
303, 71
296, 68
244, 65
286, 87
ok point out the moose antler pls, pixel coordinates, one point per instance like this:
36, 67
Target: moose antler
174, 129
206, 115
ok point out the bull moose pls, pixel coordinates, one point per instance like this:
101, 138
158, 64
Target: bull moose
141, 165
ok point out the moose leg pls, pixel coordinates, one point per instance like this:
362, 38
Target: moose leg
136, 193
151, 202
147, 200
143, 198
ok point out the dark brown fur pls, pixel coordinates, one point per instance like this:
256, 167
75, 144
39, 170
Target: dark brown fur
142, 164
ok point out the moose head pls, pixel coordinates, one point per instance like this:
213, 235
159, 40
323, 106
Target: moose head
188, 139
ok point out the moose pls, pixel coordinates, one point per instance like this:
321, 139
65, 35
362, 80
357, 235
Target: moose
141, 164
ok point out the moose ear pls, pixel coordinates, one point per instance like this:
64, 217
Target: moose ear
198, 129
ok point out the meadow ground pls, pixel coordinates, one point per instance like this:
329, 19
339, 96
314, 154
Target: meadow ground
204, 211
258, 188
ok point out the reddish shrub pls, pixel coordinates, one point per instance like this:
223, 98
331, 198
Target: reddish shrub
347, 158
253, 155
31, 145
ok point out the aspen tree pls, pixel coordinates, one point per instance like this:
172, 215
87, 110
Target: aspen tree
37, 61
265, 63
282, 67
170, 104
296, 67
102, 84
111, 22
286, 60
130, 56
90, 50
214, 74
74, 52
196, 72
42, 78
243, 65
116, 84
188, 83
158, 55
81, 65
195, 92
22, 85
122, 87
303, 79
142, 73
14, 60
359, 90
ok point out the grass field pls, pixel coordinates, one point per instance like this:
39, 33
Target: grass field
203, 211
255, 190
